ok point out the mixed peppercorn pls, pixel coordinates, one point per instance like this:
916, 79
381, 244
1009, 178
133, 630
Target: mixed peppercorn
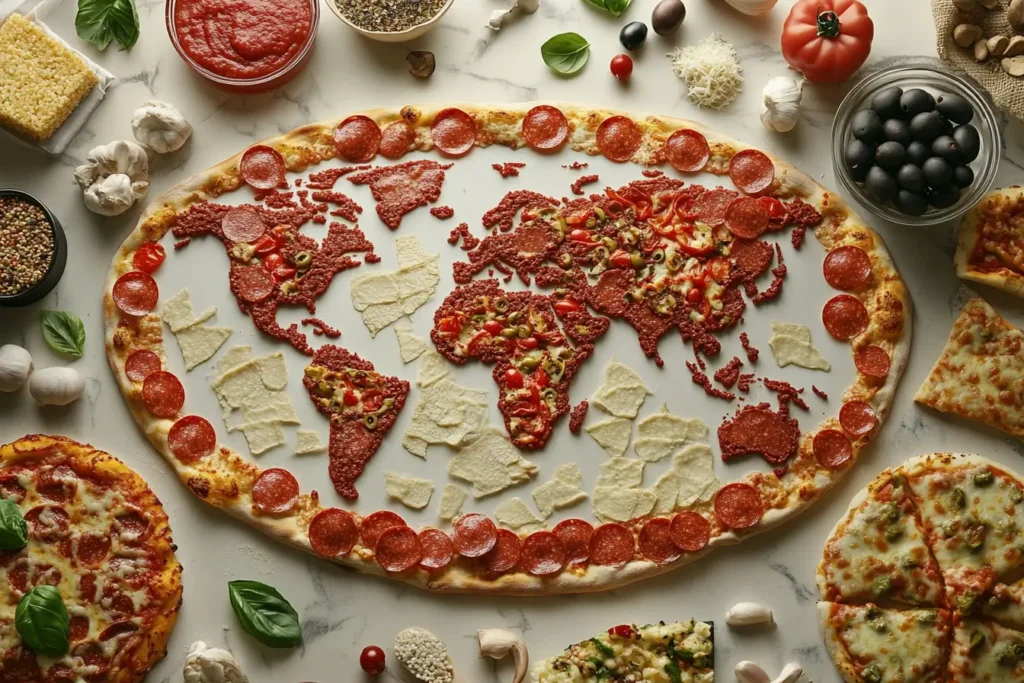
26, 245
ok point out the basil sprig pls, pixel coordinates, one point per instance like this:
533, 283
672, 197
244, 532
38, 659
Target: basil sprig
64, 332
42, 621
13, 530
613, 7
102, 21
566, 53
265, 614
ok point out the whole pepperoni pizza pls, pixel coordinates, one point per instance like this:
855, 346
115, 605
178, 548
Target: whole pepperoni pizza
651, 227
99, 536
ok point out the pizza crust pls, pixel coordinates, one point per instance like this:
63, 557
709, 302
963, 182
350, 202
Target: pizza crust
967, 240
834, 646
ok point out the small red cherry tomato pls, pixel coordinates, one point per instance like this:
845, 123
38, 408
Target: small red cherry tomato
372, 660
622, 67
283, 273
579, 235
528, 344
621, 259
622, 631
148, 257
273, 261
265, 245
513, 379
566, 306
694, 295
493, 327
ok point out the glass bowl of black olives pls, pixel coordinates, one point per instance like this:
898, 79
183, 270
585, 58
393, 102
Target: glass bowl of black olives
916, 145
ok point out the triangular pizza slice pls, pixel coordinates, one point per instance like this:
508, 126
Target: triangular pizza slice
985, 652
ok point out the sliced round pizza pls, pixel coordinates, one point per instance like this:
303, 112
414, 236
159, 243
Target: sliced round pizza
97, 559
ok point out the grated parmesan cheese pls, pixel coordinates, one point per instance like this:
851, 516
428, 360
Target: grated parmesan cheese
711, 70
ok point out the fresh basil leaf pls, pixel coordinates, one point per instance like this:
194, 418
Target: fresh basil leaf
64, 332
101, 21
613, 7
13, 530
42, 621
566, 53
265, 614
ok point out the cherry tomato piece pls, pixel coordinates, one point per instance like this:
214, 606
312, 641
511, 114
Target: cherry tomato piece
694, 295
566, 306
148, 257
283, 273
622, 631
493, 327
622, 67
372, 660
621, 259
273, 261
528, 344
513, 379
350, 398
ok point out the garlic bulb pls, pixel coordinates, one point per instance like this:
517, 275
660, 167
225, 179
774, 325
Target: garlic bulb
752, 7
114, 177
56, 386
206, 664
497, 643
15, 367
160, 127
780, 104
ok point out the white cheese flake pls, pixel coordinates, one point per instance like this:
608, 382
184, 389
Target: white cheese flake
711, 71
409, 491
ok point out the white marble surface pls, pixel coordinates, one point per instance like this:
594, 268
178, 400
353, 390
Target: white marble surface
342, 612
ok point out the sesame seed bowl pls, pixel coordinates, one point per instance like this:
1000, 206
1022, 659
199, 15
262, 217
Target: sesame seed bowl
33, 249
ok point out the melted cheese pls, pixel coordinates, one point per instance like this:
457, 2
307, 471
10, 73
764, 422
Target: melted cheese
986, 653
890, 646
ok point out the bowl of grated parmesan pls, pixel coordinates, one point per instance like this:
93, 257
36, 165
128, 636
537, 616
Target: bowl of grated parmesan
711, 71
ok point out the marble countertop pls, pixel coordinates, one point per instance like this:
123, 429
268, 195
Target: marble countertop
342, 612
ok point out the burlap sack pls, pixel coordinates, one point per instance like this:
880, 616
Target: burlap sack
1007, 91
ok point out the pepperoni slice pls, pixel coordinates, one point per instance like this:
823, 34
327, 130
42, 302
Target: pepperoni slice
845, 317
117, 629
872, 361
357, 139
78, 629
690, 531
612, 545
436, 549
140, 364
132, 526
59, 484
710, 207
254, 283
475, 535
832, 448
504, 555
163, 394
655, 541
738, 506
745, 217
396, 139
575, 537
608, 295
242, 224
275, 492
191, 439
858, 418
47, 523
687, 151
752, 256
92, 548
847, 268
332, 533
453, 132
543, 554
376, 524
618, 138
752, 171
545, 128
262, 167
135, 293
398, 549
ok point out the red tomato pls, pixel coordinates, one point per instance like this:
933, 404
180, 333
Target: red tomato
351, 398
621, 259
450, 325
622, 67
622, 631
774, 206
828, 40
148, 257
265, 245
694, 295
272, 261
372, 660
493, 327
513, 379
579, 235
566, 306
528, 344
283, 273
540, 379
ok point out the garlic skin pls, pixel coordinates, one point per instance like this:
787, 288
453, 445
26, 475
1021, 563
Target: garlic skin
160, 127
206, 664
780, 104
56, 386
752, 8
790, 673
750, 672
748, 614
500, 17
15, 367
497, 643
114, 177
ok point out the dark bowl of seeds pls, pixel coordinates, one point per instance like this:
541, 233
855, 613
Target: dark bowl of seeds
33, 249
390, 21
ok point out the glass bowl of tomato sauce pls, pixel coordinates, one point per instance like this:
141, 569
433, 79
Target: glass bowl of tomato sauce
244, 46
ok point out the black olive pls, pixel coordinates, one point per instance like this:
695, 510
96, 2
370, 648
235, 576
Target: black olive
911, 178
927, 126
890, 154
859, 154
881, 185
667, 17
937, 171
897, 131
918, 153
955, 108
911, 203
969, 140
866, 126
915, 101
944, 196
947, 148
963, 176
860, 174
633, 35
887, 102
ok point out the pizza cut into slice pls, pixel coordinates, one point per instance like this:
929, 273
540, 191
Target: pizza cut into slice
980, 374
872, 644
1006, 605
984, 652
973, 516
362, 405
990, 246
877, 552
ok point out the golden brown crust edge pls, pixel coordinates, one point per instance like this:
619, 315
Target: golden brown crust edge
967, 239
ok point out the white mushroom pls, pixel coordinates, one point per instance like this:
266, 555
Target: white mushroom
160, 127
56, 386
497, 643
114, 177
206, 664
15, 367
424, 655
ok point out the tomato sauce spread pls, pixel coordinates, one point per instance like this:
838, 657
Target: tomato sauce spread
243, 39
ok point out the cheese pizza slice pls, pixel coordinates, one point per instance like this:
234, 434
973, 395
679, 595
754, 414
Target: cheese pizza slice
1006, 605
877, 552
980, 374
986, 653
871, 644
990, 246
973, 517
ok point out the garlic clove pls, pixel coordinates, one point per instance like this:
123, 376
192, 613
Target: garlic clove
790, 673
56, 386
161, 127
749, 614
15, 367
750, 672
497, 643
